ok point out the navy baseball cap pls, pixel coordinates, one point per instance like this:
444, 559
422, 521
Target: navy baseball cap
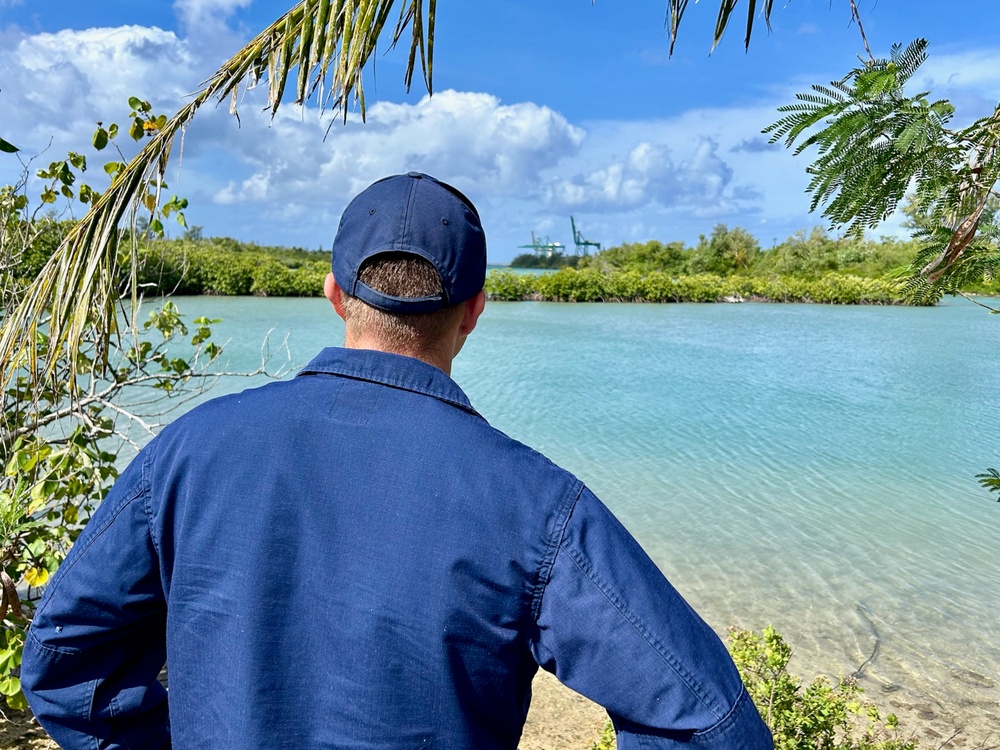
412, 213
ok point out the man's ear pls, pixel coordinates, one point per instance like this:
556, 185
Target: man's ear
333, 293
473, 309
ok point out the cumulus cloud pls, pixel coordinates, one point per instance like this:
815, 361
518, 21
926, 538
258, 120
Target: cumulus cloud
469, 138
58, 85
967, 79
647, 175
206, 20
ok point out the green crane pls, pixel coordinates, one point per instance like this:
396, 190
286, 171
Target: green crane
544, 247
580, 242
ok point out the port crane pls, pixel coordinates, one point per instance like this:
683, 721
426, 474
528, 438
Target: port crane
580, 242
545, 246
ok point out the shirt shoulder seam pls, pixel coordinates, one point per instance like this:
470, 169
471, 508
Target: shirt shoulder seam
145, 486
553, 545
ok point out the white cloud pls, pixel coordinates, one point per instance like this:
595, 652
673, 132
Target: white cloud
967, 79
975, 70
649, 176
56, 86
469, 138
206, 20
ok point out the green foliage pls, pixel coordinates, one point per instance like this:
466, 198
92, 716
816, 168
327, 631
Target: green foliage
63, 418
538, 260
876, 143
815, 254
58, 454
45, 236
725, 251
872, 140
821, 715
592, 285
991, 481
973, 271
507, 286
227, 267
607, 739
817, 716
644, 257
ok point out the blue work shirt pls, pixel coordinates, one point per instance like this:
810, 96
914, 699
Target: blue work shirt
355, 559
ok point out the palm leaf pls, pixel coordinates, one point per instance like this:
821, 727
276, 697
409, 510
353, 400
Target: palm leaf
676, 8
77, 294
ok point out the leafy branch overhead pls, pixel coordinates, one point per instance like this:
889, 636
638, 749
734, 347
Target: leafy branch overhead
876, 144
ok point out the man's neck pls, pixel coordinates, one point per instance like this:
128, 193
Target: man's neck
438, 358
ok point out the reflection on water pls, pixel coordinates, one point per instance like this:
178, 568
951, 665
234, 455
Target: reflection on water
806, 466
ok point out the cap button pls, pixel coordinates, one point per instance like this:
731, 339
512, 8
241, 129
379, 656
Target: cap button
414, 175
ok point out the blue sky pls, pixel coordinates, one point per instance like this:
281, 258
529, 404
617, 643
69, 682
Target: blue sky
542, 109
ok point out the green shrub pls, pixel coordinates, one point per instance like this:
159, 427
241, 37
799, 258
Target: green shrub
507, 286
819, 716
592, 285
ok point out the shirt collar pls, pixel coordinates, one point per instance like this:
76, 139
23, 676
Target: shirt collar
394, 370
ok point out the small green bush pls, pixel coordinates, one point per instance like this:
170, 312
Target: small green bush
819, 716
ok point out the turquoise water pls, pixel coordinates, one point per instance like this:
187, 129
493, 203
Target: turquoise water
806, 466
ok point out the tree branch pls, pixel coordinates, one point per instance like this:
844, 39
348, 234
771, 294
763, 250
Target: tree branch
856, 17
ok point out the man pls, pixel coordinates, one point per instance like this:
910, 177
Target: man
356, 559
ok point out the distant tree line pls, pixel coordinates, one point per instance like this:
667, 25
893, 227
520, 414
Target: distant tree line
727, 264
593, 285
555, 259
227, 267
806, 255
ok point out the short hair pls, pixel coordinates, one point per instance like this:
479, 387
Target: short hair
401, 275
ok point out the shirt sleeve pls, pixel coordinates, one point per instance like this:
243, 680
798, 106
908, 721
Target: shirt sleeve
97, 641
611, 627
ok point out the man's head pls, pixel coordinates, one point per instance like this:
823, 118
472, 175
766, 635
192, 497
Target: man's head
409, 264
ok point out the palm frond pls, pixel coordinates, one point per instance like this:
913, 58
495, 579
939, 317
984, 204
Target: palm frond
330, 41
676, 8
726, 8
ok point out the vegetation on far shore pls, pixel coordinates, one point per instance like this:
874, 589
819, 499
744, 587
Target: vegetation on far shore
726, 266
